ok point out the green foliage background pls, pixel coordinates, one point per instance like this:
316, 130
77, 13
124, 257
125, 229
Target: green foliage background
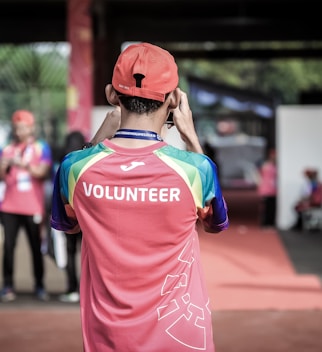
34, 76
283, 80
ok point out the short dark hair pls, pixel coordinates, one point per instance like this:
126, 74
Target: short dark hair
139, 105
74, 140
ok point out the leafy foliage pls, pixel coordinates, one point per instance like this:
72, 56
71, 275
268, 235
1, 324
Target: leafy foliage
284, 80
34, 77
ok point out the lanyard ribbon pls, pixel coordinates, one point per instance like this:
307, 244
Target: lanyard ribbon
137, 134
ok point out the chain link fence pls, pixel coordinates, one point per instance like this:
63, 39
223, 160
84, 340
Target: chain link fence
34, 77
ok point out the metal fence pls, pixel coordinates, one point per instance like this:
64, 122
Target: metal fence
34, 76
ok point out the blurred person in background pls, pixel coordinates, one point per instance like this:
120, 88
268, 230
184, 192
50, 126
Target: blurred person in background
267, 190
24, 166
75, 140
310, 197
2, 190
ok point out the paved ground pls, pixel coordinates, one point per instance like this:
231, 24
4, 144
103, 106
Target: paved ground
31, 326
304, 250
53, 329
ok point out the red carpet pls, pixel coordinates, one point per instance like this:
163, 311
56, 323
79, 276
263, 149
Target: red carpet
247, 268
260, 303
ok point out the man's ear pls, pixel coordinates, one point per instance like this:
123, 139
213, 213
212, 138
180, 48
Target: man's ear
111, 95
174, 98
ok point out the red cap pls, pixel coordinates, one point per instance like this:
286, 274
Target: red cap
23, 116
159, 70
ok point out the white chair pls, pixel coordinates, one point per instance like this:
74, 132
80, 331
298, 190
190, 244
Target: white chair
312, 219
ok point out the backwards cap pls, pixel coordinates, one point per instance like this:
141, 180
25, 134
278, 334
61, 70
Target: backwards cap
23, 116
145, 70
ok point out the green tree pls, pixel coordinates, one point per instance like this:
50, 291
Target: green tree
284, 79
34, 77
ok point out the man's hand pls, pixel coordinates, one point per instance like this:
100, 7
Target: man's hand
109, 126
182, 117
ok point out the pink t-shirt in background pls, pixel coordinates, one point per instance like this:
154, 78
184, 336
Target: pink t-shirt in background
24, 194
268, 174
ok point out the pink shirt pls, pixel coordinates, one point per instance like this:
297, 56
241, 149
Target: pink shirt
24, 194
267, 184
142, 284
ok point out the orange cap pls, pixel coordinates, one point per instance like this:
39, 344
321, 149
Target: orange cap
23, 116
156, 69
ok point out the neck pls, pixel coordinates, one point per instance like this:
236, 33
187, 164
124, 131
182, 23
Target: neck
25, 140
151, 122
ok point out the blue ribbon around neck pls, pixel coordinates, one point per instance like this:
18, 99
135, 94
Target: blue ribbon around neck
137, 134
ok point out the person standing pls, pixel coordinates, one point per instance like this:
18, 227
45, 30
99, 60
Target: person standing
75, 140
267, 190
137, 200
24, 165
